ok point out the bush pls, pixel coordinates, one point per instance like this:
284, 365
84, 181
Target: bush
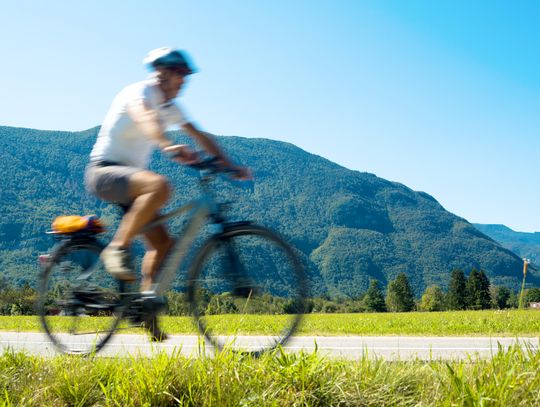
18, 301
432, 299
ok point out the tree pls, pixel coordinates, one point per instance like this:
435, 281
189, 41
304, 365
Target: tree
455, 298
477, 291
513, 300
500, 297
484, 297
531, 295
400, 297
432, 299
374, 298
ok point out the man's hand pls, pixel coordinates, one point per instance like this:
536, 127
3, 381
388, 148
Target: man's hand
237, 172
182, 154
242, 173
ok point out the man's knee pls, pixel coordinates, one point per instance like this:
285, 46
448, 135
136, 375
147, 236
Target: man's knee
149, 183
162, 188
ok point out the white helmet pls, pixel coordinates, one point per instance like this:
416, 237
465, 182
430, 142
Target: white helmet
169, 58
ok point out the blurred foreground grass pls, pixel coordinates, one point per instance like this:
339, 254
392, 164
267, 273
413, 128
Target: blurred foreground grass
509, 378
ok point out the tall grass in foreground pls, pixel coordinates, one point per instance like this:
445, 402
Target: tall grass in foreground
509, 378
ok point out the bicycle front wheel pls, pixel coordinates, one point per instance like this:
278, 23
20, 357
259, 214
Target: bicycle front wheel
247, 289
79, 303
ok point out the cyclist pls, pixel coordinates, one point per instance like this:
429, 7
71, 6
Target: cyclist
134, 125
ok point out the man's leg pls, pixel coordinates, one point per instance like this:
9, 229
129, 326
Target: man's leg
149, 192
158, 245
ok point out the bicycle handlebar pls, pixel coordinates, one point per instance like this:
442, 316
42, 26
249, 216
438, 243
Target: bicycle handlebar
211, 164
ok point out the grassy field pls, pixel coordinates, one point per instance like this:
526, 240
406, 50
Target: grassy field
509, 378
503, 323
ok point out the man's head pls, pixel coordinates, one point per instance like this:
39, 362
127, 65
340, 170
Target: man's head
171, 67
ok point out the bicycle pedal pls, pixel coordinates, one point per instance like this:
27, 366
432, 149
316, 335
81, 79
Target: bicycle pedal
145, 306
153, 303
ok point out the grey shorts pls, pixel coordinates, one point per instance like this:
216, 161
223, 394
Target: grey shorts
109, 181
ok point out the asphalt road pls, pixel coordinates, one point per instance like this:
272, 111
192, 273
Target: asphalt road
349, 347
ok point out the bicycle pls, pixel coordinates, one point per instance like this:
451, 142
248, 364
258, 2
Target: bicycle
238, 271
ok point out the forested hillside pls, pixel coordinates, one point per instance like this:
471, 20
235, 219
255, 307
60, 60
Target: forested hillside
350, 226
522, 243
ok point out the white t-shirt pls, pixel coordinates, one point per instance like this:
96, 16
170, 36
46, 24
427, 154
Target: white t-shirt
120, 139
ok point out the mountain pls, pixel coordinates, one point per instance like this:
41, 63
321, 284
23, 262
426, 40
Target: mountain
525, 245
350, 226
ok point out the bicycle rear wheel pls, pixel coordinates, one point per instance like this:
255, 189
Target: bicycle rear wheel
80, 304
247, 289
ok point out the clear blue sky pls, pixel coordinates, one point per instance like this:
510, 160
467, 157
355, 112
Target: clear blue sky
443, 96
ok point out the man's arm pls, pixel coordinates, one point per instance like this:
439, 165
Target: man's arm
147, 119
206, 140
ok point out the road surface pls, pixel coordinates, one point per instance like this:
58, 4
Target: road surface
349, 347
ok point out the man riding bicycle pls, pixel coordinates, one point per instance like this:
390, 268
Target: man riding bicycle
134, 125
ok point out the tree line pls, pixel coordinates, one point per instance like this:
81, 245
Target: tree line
472, 292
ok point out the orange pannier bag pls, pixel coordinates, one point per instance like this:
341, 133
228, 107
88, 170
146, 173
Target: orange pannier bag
76, 223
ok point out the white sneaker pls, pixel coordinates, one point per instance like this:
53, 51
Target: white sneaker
118, 264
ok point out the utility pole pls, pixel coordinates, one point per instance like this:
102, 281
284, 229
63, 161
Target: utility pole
525, 266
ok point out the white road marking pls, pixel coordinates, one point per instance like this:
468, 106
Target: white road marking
352, 347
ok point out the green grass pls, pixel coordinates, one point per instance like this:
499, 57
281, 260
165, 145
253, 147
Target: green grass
450, 323
509, 378
503, 323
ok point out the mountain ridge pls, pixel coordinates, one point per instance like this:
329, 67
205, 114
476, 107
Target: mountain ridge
524, 244
349, 225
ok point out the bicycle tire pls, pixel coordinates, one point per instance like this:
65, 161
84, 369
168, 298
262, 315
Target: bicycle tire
76, 292
283, 282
